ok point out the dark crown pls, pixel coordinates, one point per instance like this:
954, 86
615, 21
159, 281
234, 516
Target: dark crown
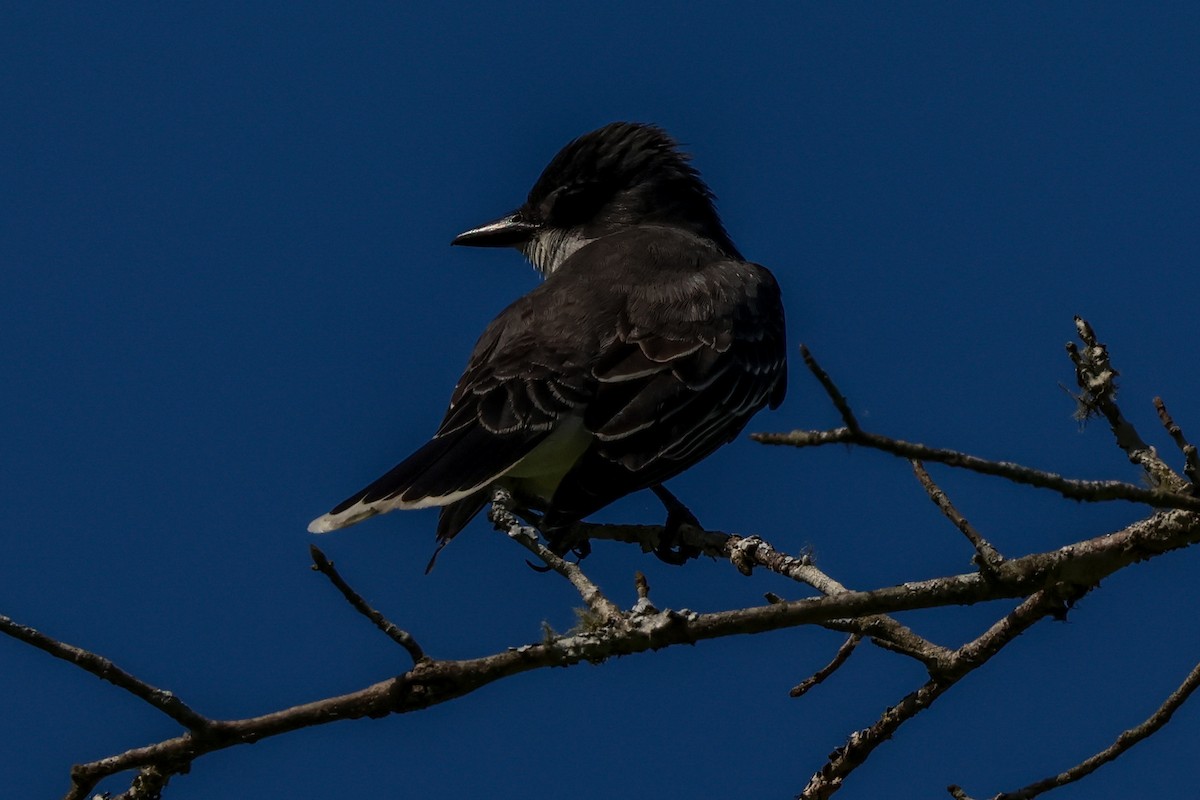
625, 173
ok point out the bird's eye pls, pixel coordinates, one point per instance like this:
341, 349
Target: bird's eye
572, 205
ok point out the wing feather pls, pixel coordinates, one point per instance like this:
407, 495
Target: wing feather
682, 376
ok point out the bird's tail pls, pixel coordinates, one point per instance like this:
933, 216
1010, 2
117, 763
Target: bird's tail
447, 469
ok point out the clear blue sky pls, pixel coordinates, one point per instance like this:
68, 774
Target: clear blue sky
228, 300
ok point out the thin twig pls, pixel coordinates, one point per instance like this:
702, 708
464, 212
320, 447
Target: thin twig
831, 389
986, 556
103, 668
1191, 458
401, 637
506, 522
1126, 740
818, 677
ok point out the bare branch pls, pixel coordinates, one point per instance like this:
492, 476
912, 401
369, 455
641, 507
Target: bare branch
1192, 459
433, 682
1126, 740
1097, 379
1095, 376
883, 630
986, 556
831, 389
971, 656
506, 522
818, 677
103, 668
401, 637
747, 552
1091, 491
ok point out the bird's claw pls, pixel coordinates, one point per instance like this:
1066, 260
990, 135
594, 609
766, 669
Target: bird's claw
671, 548
561, 541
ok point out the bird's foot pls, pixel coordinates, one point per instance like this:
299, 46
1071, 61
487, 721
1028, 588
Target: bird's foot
565, 540
671, 548
561, 541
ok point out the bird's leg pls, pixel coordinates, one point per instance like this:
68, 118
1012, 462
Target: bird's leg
563, 537
671, 548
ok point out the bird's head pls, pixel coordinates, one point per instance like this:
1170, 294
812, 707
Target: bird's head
621, 175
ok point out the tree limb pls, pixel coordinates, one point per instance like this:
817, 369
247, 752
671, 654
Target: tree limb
103, 668
966, 659
840, 657
433, 681
986, 556
401, 637
1126, 740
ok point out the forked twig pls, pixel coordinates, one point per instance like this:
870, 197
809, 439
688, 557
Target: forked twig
967, 658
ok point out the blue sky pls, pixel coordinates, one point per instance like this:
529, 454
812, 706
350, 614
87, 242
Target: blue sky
228, 300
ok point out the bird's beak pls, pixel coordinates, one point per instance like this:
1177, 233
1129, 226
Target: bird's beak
509, 231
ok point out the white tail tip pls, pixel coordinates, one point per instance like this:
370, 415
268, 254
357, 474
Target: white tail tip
355, 513
323, 524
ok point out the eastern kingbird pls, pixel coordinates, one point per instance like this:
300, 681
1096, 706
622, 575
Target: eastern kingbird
650, 344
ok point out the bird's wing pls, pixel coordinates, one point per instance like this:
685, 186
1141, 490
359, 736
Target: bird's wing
689, 363
515, 390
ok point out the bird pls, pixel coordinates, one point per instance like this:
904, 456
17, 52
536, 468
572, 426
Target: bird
649, 343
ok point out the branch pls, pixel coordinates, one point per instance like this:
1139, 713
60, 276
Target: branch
1192, 460
1097, 380
401, 637
818, 677
966, 659
103, 668
433, 682
986, 556
505, 521
1164, 496
745, 553
1090, 491
831, 389
1126, 740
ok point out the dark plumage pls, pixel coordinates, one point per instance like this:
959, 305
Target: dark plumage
649, 345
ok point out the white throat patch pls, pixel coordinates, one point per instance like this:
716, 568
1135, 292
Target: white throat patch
550, 248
